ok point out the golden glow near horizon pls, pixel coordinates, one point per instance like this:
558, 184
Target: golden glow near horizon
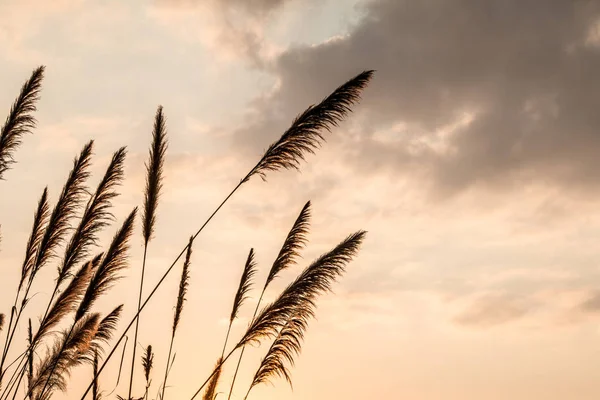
471, 161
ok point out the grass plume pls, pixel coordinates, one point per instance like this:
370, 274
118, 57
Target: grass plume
305, 134
147, 364
298, 299
241, 295
55, 231
295, 240
102, 280
40, 218
211, 389
286, 346
108, 272
245, 285
65, 209
154, 177
68, 301
183, 287
70, 350
95, 217
154, 174
20, 120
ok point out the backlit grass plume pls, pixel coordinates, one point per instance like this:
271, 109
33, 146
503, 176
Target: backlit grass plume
147, 364
241, 296
95, 217
108, 272
20, 120
40, 219
282, 352
55, 231
298, 299
69, 300
105, 275
288, 255
211, 389
65, 209
183, 287
68, 352
106, 329
305, 134
244, 287
154, 176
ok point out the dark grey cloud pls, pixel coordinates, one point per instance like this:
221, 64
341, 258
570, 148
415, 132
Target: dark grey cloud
522, 67
591, 304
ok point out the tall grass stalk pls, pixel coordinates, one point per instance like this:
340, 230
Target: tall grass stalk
154, 177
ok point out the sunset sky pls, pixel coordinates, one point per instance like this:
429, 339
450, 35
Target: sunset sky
472, 160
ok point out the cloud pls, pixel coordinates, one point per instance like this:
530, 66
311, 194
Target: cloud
259, 7
591, 304
467, 93
492, 310
233, 30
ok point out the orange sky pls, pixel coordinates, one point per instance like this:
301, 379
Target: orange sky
471, 161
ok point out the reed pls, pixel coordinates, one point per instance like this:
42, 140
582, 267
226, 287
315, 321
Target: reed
70, 333
183, 287
154, 177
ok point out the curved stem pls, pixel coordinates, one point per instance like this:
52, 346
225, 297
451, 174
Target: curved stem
137, 321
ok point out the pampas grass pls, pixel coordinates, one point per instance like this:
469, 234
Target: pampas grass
71, 334
147, 364
241, 296
287, 257
183, 287
154, 176
20, 120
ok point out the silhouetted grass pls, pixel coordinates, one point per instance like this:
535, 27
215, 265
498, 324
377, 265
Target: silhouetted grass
70, 334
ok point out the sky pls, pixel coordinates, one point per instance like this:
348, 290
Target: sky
471, 160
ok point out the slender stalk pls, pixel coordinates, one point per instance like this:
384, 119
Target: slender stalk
137, 321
